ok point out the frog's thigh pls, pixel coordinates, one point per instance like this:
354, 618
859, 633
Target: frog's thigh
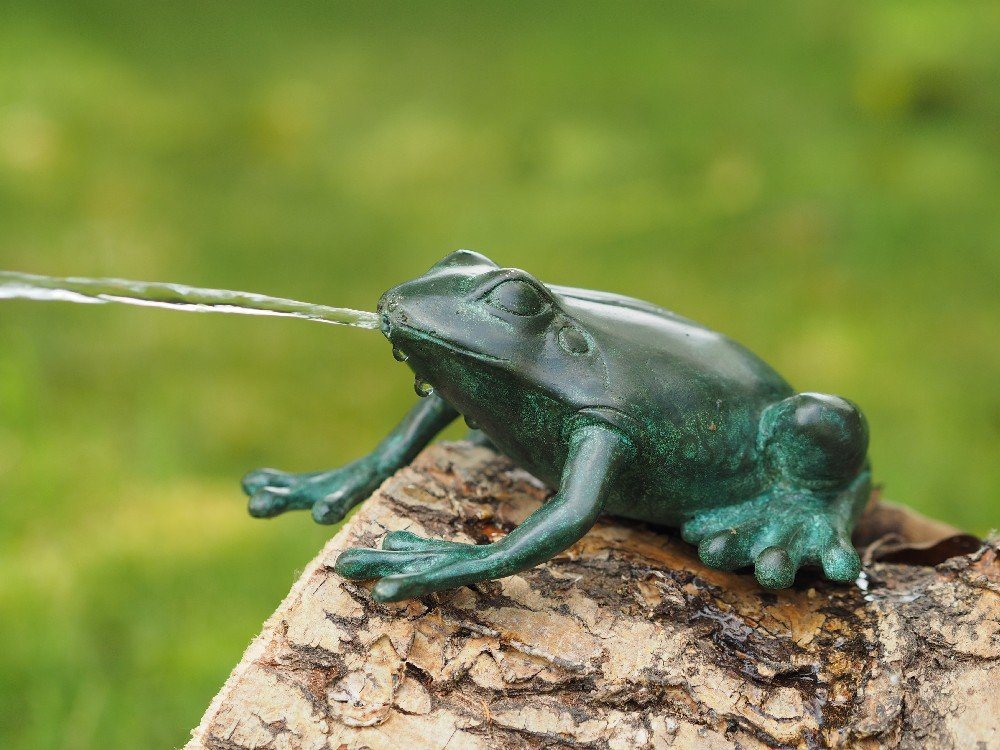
816, 438
816, 446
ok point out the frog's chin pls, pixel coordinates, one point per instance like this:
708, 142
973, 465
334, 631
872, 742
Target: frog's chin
410, 334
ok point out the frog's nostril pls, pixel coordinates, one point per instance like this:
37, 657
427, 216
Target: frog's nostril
385, 302
388, 302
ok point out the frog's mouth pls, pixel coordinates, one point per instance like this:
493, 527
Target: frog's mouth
390, 329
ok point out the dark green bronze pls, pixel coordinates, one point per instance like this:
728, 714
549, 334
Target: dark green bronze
625, 407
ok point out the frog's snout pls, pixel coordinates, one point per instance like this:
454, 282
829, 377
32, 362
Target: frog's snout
387, 305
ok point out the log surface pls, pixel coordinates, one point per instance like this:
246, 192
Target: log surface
623, 641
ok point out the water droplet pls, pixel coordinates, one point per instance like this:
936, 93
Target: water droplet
471, 423
399, 355
422, 388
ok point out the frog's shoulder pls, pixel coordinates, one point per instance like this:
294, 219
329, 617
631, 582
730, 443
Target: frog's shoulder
621, 301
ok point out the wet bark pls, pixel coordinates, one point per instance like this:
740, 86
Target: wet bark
623, 641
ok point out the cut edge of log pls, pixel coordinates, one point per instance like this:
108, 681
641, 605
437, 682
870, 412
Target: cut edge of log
257, 649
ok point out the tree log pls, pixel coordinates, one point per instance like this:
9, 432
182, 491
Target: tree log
623, 641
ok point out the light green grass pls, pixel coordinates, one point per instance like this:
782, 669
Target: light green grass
819, 180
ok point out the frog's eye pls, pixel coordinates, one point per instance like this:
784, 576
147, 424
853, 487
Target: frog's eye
517, 297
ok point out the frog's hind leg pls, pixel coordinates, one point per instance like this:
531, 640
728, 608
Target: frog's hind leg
815, 446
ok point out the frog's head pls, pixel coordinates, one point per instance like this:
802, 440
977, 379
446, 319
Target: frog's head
467, 324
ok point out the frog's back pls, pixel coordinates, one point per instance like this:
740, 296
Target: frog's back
696, 394
650, 350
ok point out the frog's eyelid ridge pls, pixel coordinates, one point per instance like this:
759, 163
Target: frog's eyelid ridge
526, 306
507, 276
493, 279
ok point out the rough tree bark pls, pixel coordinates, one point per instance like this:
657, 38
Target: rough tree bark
624, 641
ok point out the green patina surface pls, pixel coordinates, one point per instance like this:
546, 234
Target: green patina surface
622, 406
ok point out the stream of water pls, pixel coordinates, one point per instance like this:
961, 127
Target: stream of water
175, 297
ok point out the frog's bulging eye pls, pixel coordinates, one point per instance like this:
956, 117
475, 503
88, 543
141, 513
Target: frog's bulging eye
517, 297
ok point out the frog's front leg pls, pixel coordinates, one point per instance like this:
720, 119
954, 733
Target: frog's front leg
410, 566
331, 494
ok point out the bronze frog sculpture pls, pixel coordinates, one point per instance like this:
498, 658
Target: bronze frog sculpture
623, 408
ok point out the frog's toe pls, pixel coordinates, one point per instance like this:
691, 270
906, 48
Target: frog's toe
273, 492
403, 553
776, 564
840, 560
713, 522
695, 530
408, 573
775, 568
726, 550
774, 548
331, 509
365, 564
446, 571
399, 587
263, 478
408, 541
267, 503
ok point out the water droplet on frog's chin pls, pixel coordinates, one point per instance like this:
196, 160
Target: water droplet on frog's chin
422, 388
471, 423
399, 355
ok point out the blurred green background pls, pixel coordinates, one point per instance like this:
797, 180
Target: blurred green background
819, 180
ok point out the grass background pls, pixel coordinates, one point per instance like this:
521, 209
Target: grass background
818, 179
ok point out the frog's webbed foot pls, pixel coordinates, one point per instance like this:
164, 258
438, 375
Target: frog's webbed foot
329, 494
781, 531
409, 565
816, 446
